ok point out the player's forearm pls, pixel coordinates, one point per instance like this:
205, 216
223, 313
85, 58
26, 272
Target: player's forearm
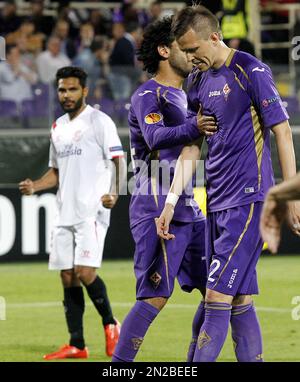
285, 147
48, 180
161, 137
119, 176
185, 168
286, 191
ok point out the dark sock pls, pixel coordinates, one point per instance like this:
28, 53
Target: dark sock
97, 292
74, 309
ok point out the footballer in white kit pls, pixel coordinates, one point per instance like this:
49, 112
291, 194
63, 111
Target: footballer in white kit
87, 165
82, 149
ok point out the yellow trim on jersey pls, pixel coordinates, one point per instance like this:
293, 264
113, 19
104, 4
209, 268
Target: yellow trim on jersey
243, 71
239, 82
238, 242
154, 183
258, 140
230, 57
164, 249
158, 93
165, 95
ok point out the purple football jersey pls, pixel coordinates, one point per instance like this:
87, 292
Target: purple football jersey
158, 130
242, 97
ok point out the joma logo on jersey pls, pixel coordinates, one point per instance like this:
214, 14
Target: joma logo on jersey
232, 278
152, 118
214, 93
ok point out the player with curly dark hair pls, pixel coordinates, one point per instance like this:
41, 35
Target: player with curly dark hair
158, 121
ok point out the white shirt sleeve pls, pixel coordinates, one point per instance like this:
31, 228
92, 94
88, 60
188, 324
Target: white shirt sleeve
107, 137
52, 156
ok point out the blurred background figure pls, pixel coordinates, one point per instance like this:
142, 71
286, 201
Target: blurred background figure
9, 21
49, 61
62, 31
42, 23
155, 11
234, 15
27, 32
124, 70
16, 79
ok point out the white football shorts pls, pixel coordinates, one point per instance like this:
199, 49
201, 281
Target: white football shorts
80, 244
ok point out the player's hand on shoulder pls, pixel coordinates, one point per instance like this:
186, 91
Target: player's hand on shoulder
26, 187
109, 200
207, 125
163, 223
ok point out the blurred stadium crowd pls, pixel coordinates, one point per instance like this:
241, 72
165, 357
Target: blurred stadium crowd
42, 36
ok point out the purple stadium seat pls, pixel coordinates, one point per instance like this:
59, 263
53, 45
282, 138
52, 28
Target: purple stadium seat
8, 108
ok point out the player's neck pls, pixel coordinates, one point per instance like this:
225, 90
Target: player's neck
77, 112
167, 78
222, 56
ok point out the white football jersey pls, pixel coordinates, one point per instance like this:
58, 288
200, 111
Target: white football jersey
82, 149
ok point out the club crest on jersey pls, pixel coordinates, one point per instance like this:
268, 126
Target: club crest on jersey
226, 91
152, 118
77, 136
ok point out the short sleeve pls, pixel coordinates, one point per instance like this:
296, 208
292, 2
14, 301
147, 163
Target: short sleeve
107, 137
265, 95
52, 156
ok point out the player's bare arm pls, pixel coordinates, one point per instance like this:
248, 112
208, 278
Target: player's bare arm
118, 180
275, 210
285, 147
48, 180
184, 170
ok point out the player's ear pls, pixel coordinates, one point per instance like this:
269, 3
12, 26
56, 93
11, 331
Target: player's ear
163, 51
85, 91
215, 37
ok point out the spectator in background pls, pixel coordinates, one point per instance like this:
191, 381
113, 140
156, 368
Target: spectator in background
84, 58
43, 24
118, 31
74, 17
9, 21
127, 12
49, 61
124, 71
15, 78
101, 22
234, 25
93, 60
100, 71
86, 37
155, 11
28, 56
67, 46
27, 32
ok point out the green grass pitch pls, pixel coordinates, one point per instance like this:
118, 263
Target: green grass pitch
35, 323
